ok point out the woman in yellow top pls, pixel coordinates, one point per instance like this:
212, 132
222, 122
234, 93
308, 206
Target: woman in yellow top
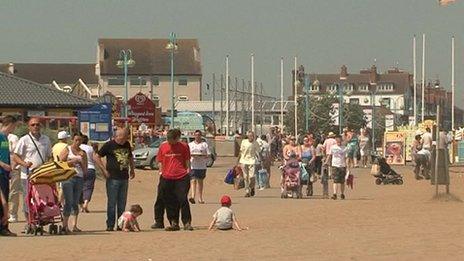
249, 148
291, 149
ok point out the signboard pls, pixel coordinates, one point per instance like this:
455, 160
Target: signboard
394, 149
389, 122
95, 122
368, 117
334, 116
141, 109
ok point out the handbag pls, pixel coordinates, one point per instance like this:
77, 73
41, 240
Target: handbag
374, 169
230, 176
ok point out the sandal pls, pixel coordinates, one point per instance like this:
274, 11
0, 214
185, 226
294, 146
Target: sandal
201, 202
192, 200
75, 229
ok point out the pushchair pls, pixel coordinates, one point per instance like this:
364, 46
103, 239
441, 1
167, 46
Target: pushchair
386, 175
44, 209
291, 179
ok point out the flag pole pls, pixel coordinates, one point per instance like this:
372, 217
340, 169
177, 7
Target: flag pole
281, 94
423, 79
295, 98
452, 84
414, 78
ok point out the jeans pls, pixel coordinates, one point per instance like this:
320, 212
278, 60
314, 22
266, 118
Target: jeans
5, 190
175, 194
89, 185
72, 190
116, 192
159, 204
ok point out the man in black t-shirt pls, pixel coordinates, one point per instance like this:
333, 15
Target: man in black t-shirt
117, 170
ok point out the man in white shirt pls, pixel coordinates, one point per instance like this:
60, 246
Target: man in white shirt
337, 158
199, 152
32, 150
427, 139
248, 151
422, 159
15, 181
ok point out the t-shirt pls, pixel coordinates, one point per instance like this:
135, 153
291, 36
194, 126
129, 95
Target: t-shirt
28, 152
127, 216
248, 152
4, 153
117, 158
57, 149
173, 158
338, 156
199, 162
13, 140
427, 140
89, 151
328, 143
224, 218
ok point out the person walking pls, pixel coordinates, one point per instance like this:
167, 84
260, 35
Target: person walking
8, 126
364, 147
89, 178
15, 181
61, 145
292, 148
265, 162
118, 169
33, 150
337, 161
427, 139
327, 146
248, 152
308, 158
174, 167
200, 153
72, 188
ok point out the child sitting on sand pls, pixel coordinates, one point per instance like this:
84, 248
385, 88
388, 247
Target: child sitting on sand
224, 218
128, 220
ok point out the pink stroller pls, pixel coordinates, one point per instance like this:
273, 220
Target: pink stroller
291, 180
44, 209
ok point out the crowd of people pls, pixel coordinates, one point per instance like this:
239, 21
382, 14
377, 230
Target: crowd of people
338, 155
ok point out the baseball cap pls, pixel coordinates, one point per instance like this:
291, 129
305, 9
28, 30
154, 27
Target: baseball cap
225, 200
63, 135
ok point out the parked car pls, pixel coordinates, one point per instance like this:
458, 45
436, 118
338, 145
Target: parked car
146, 157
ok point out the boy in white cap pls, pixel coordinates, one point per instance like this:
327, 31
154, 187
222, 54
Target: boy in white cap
62, 144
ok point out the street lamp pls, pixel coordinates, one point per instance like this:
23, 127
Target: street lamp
307, 83
172, 48
373, 90
340, 105
125, 61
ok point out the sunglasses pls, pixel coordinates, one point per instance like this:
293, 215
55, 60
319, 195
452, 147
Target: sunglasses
34, 124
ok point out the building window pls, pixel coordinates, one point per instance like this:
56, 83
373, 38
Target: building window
348, 87
363, 88
354, 101
136, 81
314, 88
385, 102
155, 81
332, 87
385, 87
116, 81
183, 81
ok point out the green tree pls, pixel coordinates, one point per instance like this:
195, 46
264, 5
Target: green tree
320, 111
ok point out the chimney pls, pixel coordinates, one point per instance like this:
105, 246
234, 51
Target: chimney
11, 68
373, 74
343, 73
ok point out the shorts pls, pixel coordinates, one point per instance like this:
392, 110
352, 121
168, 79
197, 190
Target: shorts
338, 175
198, 173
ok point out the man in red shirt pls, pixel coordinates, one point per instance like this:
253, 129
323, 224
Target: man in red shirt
174, 167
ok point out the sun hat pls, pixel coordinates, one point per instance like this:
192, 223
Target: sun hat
63, 135
331, 135
225, 200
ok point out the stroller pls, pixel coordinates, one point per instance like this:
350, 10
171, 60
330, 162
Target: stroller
44, 209
386, 175
291, 179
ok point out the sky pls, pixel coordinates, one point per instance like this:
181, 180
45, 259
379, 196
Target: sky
323, 34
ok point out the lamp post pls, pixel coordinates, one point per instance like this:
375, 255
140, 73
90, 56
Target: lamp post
307, 83
172, 48
340, 105
125, 61
373, 89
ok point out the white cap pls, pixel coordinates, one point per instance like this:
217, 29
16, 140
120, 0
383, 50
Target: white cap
63, 135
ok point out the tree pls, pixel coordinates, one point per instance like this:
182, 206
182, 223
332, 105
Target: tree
320, 115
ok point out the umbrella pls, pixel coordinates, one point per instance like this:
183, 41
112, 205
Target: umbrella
52, 172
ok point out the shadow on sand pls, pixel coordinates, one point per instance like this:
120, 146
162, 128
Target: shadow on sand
444, 197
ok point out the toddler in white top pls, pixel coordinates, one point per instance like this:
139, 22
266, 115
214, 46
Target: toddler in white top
224, 218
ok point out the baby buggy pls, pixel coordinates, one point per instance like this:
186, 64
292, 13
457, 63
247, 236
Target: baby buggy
44, 209
291, 179
386, 175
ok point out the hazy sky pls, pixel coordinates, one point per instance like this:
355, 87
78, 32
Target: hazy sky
324, 34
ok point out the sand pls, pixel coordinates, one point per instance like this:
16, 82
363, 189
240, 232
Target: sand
374, 223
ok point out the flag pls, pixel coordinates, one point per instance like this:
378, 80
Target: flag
445, 2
